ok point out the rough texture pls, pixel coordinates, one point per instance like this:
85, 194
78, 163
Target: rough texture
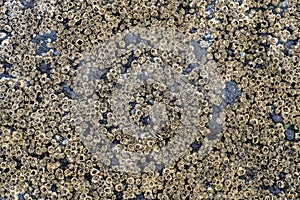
251, 45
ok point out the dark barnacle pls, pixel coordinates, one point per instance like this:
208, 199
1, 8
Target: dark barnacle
150, 102
210, 9
19, 163
282, 175
88, 177
114, 143
132, 104
14, 45
271, 105
56, 52
103, 121
207, 37
239, 1
230, 52
185, 8
110, 129
285, 6
104, 115
21, 197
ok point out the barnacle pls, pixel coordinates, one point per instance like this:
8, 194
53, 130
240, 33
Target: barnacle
149, 100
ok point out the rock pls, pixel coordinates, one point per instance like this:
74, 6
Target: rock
276, 118
198, 51
232, 92
195, 146
289, 134
51, 37
189, 68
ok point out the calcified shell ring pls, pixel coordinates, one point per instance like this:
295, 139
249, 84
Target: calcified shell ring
145, 99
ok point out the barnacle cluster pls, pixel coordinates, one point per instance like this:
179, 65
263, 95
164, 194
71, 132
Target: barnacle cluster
150, 99
138, 97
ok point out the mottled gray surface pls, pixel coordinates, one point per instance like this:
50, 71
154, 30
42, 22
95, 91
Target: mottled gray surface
198, 51
27, 3
189, 68
131, 39
214, 126
232, 92
96, 73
